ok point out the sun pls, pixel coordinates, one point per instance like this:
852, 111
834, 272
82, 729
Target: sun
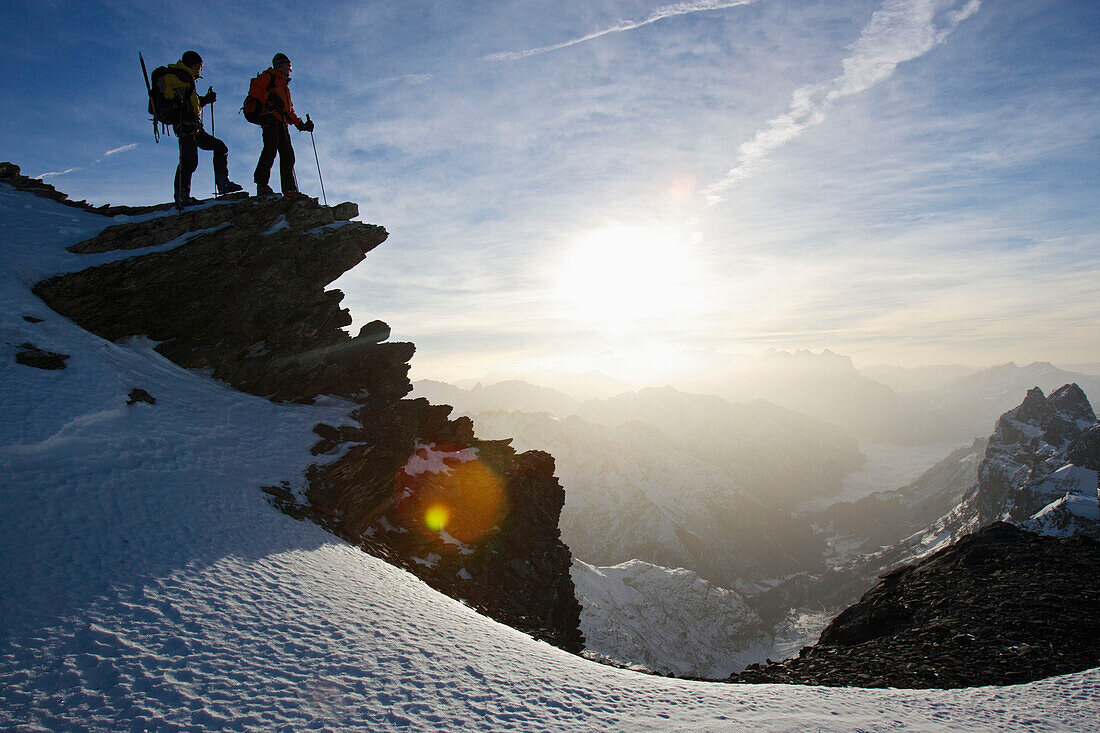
626, 278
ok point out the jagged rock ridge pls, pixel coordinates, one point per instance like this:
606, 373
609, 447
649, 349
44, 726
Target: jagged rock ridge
1001, 606
237, 288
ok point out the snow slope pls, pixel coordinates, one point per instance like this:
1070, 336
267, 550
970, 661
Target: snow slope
148, 585
669, 621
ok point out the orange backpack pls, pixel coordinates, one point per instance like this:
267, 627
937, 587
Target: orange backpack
255, 104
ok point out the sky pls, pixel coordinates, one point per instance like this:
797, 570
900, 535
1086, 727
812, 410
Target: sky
909, 182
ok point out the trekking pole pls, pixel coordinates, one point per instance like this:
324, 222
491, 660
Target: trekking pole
318, 161
212, 135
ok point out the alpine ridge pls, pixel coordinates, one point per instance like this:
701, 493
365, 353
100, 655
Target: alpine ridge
236, 288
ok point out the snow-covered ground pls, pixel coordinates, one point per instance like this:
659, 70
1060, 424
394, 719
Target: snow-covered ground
147, 584
669, 621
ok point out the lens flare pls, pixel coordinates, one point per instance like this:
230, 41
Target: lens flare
437, 517
463, 502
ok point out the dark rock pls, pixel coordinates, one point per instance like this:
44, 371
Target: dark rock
246, 304
1001, 606
139, 395
9, 173
327, 432
1021, 450
1085, 450
32, 319
515, 568
33, 356
375, 331
345, 211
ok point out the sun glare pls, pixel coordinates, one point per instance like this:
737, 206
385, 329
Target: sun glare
626, 278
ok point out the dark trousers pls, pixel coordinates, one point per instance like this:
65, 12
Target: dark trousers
190, 142
276, 138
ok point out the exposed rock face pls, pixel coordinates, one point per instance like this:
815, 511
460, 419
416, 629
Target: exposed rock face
472, 518
1001, 606
1085, 450
238, 288
243, 296
1030, 442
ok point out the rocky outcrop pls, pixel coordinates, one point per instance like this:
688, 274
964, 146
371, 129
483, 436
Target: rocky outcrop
472, 518
1085, 449
242, 294
1001, 606
1026, 477
32, 356
237, 288
1029, 443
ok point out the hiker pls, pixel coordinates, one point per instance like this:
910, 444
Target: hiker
178, 87
271, 88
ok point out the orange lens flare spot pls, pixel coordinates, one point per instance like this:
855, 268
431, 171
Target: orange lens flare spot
436, 517
463, 503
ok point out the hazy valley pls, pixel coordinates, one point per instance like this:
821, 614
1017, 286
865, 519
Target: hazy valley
777, 510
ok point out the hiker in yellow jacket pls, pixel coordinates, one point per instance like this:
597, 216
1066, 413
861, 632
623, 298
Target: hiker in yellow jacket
178, 86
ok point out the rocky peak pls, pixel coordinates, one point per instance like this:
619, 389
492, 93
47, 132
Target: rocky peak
1030, 442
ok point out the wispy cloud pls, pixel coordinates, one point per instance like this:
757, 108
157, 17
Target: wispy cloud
665, 11
900, 30
414, 79
52, 174
116, 151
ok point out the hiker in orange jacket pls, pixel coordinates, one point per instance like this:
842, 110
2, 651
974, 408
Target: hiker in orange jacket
272, 86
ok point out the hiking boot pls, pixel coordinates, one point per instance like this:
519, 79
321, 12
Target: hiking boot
227, 186
187, 201
294, 195
262, 189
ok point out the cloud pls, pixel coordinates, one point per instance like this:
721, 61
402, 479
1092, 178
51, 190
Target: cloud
900, 30
414, 79
116, 151
44, 176
665, 11
123, 149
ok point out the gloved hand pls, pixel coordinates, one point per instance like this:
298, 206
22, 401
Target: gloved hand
210, 96
306, 126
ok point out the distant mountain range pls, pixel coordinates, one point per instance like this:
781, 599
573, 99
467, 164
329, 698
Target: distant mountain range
883, 404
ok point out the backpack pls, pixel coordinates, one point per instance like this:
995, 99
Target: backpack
255, 104
166, 111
